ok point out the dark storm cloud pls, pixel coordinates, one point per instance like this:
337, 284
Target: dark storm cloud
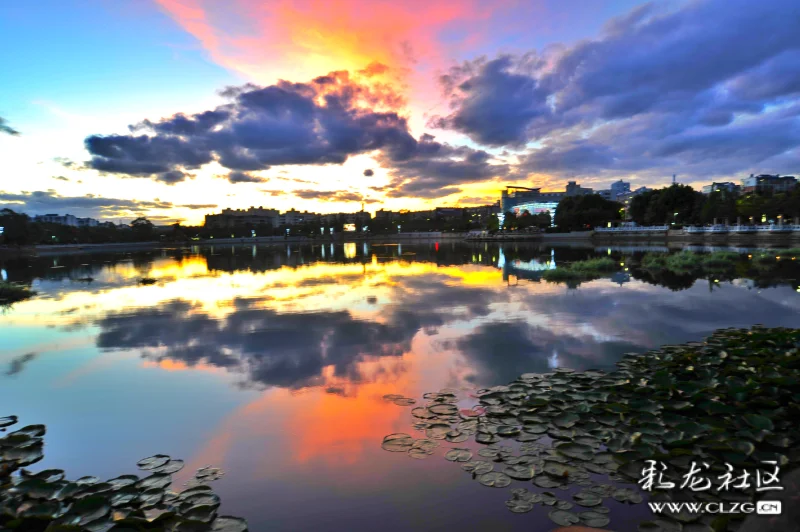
434, 169
243, 177
635, 98
496, 104
320, 122
331, 195
47, 202
172, 177
199, 206
5, 128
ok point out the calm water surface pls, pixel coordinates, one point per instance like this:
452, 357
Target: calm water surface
271, 362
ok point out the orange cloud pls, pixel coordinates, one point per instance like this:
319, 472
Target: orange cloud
300, 39
303, 39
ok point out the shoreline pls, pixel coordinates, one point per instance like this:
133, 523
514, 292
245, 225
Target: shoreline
671, 239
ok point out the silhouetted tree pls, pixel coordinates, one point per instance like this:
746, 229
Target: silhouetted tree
586, 212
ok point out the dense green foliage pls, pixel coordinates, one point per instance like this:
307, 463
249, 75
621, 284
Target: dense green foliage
684, 206
577, 213
678, 203
526, 220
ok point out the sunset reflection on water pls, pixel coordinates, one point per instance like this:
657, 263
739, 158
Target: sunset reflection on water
272, 363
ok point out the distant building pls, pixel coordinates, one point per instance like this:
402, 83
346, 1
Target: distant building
359, 218
293, 217
519, 199
230, 218
766, 183
574, 189
422, 215
66, 219
626, 198
725, 186
386, 216
618, 188
449, 213
87, 222
482, 212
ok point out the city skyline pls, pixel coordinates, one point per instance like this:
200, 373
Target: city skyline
173, 109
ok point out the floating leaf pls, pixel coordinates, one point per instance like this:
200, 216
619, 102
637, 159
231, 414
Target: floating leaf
437, 431
404, 401
494, 479
456, 436
758, 422
519, 471
153, 462
587, 498
519, 506
390, 397
563, 517
397, 443
458, 455
227, 523
594, 519
443, 410
7, 421
173, 466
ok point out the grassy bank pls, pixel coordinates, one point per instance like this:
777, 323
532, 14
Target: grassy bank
13, 292
583, 270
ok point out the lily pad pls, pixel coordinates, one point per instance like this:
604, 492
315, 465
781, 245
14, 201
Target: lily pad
587, 498
494, 479
443, 409
437, 431
519, 506
458, 455
153, 462
519, 471
389, 397
227, 523
404, 401
563, 517
397, 443
594, 519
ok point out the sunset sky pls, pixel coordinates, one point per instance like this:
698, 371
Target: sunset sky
177, 108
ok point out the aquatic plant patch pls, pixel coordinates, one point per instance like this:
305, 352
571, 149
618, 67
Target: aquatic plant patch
659, 428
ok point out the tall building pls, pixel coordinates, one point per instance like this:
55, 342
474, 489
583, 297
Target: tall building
66, 219
574, 189
385, 216
766, 183
626, 198
725, 186
619, 188
293, 217
229, 218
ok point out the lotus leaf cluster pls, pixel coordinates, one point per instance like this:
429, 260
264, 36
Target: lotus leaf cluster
733, 398
47, 501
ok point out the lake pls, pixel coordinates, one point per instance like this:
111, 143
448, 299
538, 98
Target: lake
272, 363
